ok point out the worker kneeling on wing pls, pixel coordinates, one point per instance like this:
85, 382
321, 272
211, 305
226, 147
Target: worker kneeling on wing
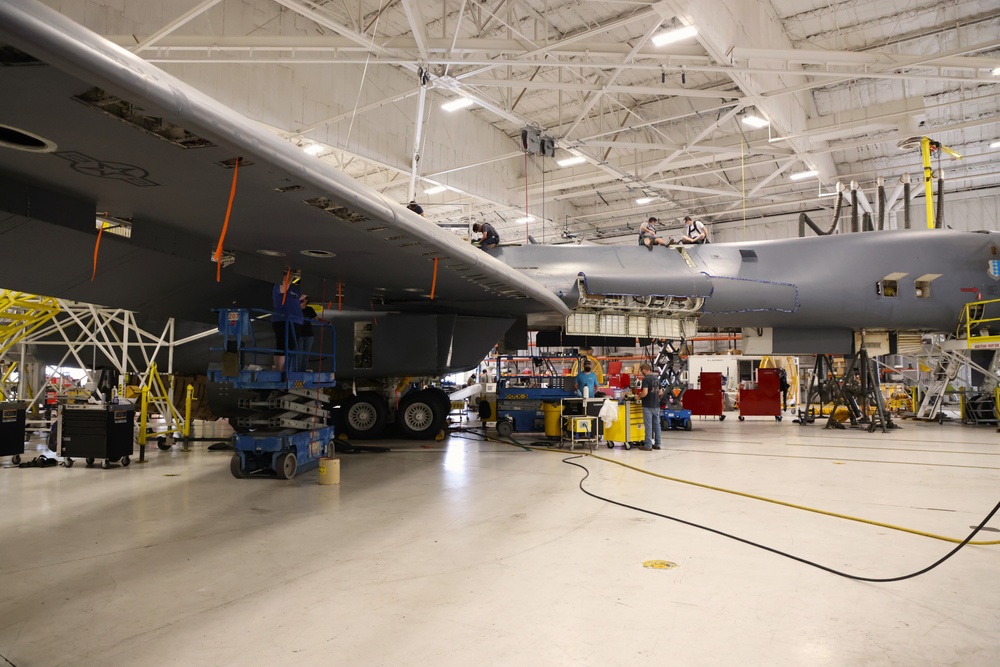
490, 238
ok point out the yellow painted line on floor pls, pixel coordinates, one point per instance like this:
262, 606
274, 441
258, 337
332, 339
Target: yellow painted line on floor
765, 499
835, 458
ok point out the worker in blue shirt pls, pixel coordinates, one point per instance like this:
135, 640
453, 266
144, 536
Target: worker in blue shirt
586, 382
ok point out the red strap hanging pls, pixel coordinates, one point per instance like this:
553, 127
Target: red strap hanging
434, 281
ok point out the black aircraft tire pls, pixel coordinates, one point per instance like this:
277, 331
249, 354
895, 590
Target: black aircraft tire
419, 416
364, 416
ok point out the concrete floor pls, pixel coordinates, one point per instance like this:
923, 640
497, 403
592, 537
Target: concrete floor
471, 552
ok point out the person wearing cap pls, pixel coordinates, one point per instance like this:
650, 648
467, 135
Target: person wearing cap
416, 208
697, 233
490, 238
648, 237
586, 382
287, 317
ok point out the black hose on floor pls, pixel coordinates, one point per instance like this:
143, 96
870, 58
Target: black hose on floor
778, 552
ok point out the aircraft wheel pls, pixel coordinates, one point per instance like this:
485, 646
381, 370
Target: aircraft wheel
365, 415
442, 400
286, 465
687, 424
505, 428
420, 416
236, 467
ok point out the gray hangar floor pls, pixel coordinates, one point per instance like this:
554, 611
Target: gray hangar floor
470, 552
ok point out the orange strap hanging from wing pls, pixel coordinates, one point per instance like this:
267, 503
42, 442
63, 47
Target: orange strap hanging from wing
284, 285
434, 281
225, 225
97, 246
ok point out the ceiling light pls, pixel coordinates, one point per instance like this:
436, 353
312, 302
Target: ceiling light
995, 144
676, 35
644, 200
755, 121
996, 71
804, 174
270, 253
525, 219
322, 254
435, 190
314, 149
457, 104
570, 161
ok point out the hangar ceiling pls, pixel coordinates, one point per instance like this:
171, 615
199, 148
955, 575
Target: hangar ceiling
657, 129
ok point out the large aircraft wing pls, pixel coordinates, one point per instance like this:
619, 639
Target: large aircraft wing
88, 128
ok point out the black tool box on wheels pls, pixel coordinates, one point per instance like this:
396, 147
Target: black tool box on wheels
94, 432
12, 430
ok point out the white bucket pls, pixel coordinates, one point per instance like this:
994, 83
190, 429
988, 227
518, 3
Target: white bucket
329, 470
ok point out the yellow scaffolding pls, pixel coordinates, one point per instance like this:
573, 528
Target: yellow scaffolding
979, 314
21, 315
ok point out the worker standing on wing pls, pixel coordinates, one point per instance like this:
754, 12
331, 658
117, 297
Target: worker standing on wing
649, 392
697, 233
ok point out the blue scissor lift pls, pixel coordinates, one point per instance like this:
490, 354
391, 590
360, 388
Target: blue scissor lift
281, 417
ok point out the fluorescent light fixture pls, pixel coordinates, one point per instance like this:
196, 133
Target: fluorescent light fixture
995, 144
676, 35
996, 71
804, 174
525, 219
570, 161
457, 104
435, 190
314, 149
644, 200
755, 121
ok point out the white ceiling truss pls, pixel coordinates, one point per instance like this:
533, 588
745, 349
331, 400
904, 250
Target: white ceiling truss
841, 83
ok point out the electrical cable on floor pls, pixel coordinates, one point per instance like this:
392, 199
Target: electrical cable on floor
778, 552
836, 515
514, 442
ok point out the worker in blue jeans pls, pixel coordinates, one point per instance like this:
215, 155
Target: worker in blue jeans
649, 392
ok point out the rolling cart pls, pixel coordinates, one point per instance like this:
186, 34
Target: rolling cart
12, 430
629, 428
95, 431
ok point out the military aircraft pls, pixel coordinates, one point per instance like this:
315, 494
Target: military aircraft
94, 139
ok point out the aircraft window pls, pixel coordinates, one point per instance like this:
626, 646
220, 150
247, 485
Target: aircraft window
923, 289
889, 287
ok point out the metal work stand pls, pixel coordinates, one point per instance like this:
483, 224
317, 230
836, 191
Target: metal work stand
858, 392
